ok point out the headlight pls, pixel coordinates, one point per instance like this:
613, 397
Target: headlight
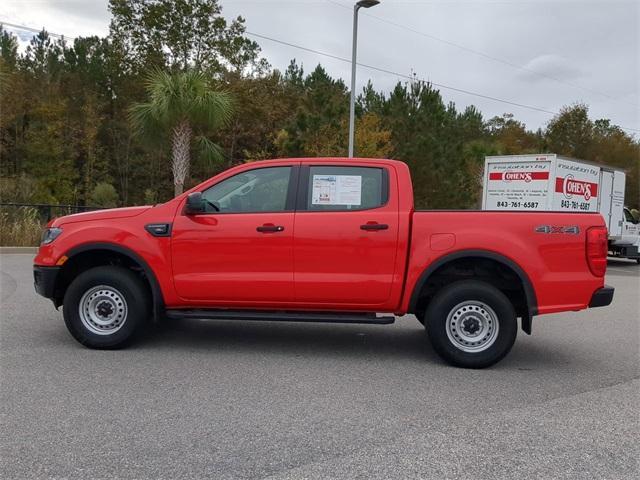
50, 234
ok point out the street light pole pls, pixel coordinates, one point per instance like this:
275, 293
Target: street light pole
352, 102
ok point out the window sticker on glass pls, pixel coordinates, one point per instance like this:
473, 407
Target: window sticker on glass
336, 190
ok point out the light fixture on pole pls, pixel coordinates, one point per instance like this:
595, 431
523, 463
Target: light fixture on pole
352, 105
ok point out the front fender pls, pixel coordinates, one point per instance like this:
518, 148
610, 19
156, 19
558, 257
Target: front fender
127, 237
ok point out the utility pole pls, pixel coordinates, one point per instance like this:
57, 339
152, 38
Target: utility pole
352, 104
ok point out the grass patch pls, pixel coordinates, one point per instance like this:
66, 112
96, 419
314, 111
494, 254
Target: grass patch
20, 227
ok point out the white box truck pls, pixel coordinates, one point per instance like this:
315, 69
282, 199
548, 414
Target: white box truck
548, 182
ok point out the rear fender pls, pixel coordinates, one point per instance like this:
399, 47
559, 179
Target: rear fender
532, 304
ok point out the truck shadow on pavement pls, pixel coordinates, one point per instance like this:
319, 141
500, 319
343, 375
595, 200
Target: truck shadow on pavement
403, 341
240, 336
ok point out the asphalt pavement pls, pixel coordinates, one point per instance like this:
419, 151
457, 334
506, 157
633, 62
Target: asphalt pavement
228, 399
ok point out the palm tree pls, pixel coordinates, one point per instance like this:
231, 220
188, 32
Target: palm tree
185, 105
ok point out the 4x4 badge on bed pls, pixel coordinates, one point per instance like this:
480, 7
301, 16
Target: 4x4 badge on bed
572, 230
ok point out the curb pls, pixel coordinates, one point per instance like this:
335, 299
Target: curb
4, 250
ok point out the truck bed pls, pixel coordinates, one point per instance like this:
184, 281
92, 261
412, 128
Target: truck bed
548, 246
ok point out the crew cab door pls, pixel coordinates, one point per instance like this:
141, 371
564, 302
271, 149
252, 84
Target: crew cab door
240, 251
346, 235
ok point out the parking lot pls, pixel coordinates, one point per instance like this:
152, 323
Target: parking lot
224, 399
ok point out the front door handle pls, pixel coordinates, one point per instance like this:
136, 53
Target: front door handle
267, 228
374, 226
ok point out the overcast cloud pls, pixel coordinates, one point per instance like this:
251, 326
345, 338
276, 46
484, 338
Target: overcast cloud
571, 51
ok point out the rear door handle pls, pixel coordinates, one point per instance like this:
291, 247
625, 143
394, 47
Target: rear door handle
270, 228
374, 226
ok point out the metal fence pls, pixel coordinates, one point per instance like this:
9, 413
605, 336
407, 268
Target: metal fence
48, 211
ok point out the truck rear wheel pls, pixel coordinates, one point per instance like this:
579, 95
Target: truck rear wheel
104, 307
471, 324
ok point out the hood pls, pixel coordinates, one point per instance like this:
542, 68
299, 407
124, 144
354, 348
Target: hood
108, 214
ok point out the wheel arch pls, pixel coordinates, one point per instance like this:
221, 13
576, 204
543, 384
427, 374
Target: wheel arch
119, 250
439, 263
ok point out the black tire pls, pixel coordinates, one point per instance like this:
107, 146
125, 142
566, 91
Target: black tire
121, 287
496, 326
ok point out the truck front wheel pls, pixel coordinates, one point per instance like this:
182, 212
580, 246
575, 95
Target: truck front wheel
105, 306
471, 324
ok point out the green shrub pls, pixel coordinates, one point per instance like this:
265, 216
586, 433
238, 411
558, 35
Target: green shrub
150, 197
104, 195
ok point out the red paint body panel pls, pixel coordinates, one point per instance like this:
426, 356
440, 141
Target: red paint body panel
224, 257
323, 260
125, 232
556, 264
339, 265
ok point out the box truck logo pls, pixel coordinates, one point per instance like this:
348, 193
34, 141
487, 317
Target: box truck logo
519, 176
509, 176
569, 187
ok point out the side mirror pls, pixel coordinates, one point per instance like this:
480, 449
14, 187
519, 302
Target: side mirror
195, 204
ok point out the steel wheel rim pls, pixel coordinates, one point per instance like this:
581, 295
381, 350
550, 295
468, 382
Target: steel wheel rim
472, 326
103, 310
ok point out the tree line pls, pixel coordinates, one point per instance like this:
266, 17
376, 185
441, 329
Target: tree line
70, 134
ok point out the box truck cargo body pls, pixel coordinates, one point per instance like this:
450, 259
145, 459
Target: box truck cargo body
548, 182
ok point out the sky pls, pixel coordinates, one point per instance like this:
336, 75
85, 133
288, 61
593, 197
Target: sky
541, 54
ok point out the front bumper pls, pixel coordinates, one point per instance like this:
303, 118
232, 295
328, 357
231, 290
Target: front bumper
44, 280
602, 297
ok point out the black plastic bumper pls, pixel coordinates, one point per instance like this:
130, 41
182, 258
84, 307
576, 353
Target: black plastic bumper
44, 280
602, 297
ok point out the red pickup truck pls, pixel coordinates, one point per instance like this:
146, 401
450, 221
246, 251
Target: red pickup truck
322, 240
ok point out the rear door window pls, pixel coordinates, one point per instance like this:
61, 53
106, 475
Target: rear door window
337, 188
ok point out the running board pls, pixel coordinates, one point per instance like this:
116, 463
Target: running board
281, 316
